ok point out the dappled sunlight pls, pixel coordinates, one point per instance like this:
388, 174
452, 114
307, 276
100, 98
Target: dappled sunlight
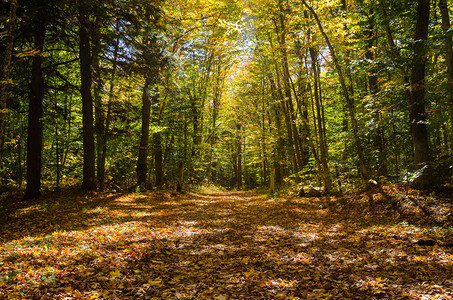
28, 210
232, 246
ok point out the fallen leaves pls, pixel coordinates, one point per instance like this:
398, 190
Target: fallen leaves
215, 246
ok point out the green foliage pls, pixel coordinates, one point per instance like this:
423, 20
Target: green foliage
221, 67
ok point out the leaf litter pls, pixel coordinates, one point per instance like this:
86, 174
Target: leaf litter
227, 245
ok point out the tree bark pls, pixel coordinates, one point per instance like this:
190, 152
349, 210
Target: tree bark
142, 161
6, 69
325, 175
263, 136
196, 141
105, 126
35, 114
89, 159
279, 147
157, 140
239, 154
449, 62
98, 108
276, 89
302, 106
417, 110
288, 99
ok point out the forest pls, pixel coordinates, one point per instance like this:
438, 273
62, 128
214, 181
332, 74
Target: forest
338, 95
226, 149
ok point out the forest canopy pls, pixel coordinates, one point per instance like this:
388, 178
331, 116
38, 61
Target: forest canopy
239, 93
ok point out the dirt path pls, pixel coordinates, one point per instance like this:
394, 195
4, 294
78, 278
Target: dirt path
229, 245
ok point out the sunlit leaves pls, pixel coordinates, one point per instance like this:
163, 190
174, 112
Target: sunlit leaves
222, 245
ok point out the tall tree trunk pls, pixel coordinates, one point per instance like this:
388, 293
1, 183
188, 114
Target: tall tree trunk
103, 139
286, 115
288, 100
142, 162
89, 159
417, 111
196, 135
108, 117
279, 150
218, 87
316, 139
157, 139
263, 136
234, 163
327, 181
276, 88
35, 114
302, 106
449, 61
158, 159
239, 154
98, 108
151, 56
57, 156
5, 81
349, 101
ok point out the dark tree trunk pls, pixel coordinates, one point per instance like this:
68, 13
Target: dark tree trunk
158, 159
35, 114
105, 134
302, 106
180, 184
196, 137
239, 155
142, 162
6, 68
89, 159
98, 109
449, 61
417, 111
157, 138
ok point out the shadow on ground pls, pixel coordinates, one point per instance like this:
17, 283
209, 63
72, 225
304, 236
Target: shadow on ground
230, 245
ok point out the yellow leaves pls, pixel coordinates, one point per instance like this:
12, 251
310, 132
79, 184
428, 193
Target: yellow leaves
7, 81
31, 53
176, 279
245, 260
95, 285
249, 273
268, 259
306, 260
419, 258
116, 273
154, 282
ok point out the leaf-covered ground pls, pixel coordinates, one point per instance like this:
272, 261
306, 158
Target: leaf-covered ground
226, 245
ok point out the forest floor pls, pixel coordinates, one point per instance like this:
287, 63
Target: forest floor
383, 244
